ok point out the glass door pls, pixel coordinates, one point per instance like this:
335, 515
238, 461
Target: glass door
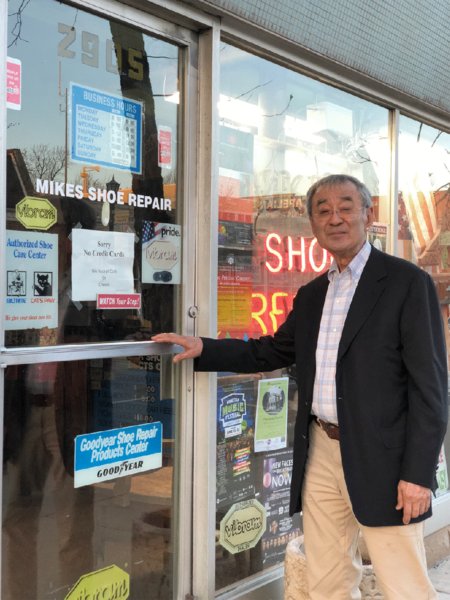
95, 263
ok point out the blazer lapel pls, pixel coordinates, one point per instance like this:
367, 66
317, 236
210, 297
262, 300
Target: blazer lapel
370, 287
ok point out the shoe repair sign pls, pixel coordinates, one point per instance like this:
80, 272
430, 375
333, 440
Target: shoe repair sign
106, 455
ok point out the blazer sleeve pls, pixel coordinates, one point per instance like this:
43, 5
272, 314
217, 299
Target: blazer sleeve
425, 357
264, 354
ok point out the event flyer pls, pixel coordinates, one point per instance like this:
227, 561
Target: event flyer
235, 428
271, 414
281, 528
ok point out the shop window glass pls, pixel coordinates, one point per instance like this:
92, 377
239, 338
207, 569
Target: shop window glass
279, 132
424, 221
89, 480
93, 223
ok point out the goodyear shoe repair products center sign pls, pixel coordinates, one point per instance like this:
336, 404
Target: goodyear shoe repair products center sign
106, 455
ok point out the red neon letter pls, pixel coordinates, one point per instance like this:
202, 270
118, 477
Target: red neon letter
275, 310
292, 253
257, 315
276, 237
312, 262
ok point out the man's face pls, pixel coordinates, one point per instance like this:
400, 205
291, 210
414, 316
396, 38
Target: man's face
339, 220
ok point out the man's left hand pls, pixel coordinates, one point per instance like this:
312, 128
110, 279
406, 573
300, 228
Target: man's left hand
413, 499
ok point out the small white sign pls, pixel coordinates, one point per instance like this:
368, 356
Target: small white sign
102, 263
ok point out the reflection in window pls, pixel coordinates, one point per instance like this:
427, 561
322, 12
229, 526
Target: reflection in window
424, 220
279, 132
91, 175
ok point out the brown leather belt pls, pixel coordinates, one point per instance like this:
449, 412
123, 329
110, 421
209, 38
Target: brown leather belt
330, 429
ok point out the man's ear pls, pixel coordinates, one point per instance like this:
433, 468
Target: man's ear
369, 216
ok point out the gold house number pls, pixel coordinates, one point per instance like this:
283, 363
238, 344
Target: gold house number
91, 52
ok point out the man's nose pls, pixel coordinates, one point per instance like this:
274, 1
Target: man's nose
335, 216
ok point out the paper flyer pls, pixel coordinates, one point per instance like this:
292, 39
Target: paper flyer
102, 262
275, 496
271, 414
235, 465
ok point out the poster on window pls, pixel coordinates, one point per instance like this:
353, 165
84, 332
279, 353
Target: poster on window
275, 494
31, 280
161, 253
271, 414
107, 455
13, 83
105, 129
102, 262
235, 429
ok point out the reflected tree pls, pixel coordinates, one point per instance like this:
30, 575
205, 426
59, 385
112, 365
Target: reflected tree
44, 161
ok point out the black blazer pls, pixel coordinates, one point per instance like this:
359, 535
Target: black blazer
391, 381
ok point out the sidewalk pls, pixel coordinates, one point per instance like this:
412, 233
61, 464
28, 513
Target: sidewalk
440, 576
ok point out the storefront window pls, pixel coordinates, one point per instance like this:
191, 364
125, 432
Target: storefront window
279, 132
93, 223
63, 521
424, 220
93, 254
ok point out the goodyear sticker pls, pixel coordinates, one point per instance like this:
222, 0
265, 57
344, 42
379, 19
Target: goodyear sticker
114, 453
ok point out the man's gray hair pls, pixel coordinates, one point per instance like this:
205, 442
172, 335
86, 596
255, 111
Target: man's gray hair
366, 197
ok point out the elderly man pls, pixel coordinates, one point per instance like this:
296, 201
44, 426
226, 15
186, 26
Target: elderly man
368, 344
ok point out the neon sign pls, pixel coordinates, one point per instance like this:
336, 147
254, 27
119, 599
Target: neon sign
260, 313
288, 254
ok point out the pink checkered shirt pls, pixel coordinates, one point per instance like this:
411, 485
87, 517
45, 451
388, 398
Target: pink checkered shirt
339, 296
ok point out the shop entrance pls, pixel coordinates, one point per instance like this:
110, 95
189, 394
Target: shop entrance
94, 265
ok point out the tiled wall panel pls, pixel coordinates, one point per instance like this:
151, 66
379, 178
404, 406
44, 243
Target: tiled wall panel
403, 43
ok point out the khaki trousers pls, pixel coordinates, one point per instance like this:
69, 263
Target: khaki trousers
333, 560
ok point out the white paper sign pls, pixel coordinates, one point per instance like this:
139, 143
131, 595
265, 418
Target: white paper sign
102, 263
31, 280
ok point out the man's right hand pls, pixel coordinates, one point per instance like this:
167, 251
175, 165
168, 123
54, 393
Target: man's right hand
193, 346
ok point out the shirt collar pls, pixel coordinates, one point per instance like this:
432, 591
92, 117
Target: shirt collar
356, 265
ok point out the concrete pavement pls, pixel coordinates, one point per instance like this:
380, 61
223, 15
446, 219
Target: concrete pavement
440, 576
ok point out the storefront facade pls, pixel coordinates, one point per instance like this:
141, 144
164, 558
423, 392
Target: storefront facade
158, 157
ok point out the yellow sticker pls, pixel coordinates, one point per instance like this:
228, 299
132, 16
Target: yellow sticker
36, 213
242, 526
110, 582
